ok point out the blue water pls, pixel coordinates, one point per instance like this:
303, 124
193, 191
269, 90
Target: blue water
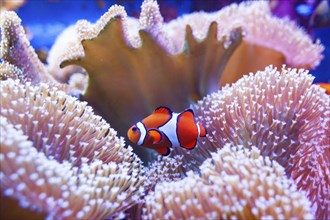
322, 72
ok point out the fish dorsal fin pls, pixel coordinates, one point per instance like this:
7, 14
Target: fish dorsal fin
158, 118
163, 110
188, 113
155, 135
164, 151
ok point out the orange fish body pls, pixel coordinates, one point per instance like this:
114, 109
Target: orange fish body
164, 129
325, 86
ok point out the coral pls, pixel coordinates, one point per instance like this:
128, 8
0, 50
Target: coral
282, 114
234, 183
135, 72
58, 157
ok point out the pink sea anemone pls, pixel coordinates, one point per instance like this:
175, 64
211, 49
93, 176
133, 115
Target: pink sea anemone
234, 183
58, 157
284, 115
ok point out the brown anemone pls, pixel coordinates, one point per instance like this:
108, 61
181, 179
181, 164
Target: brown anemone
267, 39
140, 67
151, 63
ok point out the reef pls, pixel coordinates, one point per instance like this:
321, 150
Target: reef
267, 151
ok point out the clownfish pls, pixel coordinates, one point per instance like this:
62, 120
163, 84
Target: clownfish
164, 129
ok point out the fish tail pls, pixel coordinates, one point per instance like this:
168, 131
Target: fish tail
202, 131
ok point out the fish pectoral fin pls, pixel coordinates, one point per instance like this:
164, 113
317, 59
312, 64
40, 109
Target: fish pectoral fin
190, 146
155, 135
164, 151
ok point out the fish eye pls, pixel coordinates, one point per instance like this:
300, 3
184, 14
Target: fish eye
134, 129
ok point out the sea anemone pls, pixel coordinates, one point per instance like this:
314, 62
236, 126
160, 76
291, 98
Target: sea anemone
168, 64
234, 183
281, 113
181, 61
267, 39
67, 39
58, 157
149, 70
284, 115
16, 49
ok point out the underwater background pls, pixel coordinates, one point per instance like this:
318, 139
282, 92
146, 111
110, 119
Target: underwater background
45, 19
